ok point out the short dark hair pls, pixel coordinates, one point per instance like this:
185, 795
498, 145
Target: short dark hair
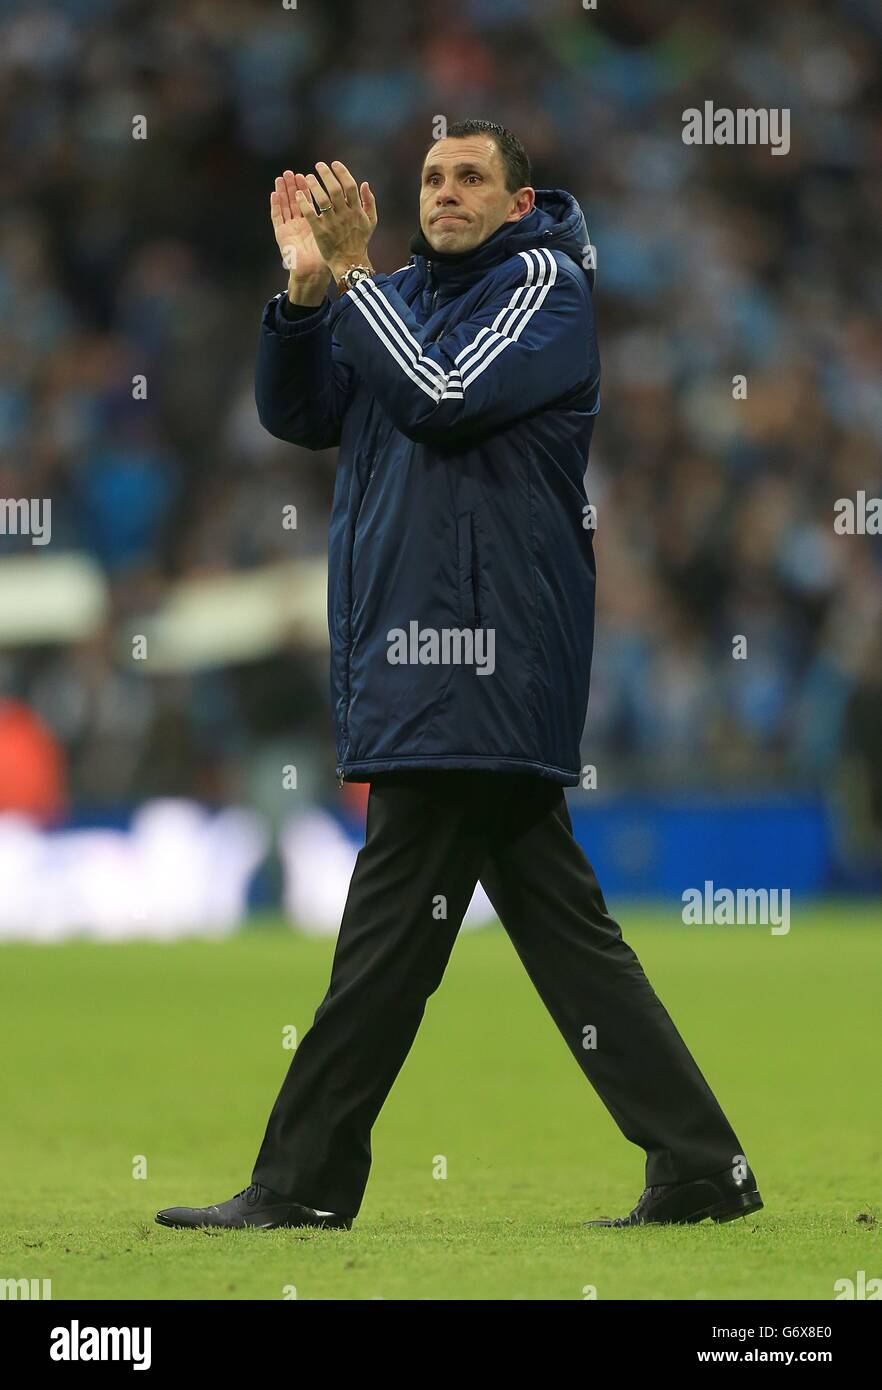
514, 156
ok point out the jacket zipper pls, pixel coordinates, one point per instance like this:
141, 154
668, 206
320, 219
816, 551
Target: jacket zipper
364, 494
433, 302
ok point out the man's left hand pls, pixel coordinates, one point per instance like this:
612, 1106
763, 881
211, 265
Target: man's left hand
347, 219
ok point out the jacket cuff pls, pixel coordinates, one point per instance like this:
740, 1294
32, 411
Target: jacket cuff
291, 320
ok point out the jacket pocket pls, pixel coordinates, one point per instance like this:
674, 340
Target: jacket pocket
467, 571
358, 535
369, 465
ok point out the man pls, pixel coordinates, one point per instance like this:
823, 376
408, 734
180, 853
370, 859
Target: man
461, 391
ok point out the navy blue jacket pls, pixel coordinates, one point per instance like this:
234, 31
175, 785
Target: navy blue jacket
461, 391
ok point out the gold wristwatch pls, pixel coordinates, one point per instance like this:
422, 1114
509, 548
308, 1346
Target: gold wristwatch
352, 276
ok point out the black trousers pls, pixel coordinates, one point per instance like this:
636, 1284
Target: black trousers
430, 837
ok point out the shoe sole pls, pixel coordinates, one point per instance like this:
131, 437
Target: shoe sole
729, 1210
338, 1225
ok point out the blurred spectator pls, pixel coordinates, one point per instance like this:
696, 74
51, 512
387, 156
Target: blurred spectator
32, 776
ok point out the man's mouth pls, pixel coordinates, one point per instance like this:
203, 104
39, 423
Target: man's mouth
449, 217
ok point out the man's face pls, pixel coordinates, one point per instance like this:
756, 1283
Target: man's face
463, 197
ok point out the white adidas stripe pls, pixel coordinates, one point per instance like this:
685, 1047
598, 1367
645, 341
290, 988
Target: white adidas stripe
388, 325
509, 312
514, 318
527, 293
507, 327
409, 342
480, 347
403, 363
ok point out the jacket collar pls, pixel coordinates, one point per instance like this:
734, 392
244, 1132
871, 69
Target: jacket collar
456, 270
453, 273
556, 221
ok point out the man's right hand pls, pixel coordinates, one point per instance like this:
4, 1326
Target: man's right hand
307, 273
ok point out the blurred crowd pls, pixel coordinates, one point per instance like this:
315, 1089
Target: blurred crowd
154, 256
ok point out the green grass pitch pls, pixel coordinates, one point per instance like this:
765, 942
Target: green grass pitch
174, 1052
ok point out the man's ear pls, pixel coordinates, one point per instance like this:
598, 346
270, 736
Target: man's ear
519, 216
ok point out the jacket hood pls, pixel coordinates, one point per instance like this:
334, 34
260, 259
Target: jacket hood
556, 221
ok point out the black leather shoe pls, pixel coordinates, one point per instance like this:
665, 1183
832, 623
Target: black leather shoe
720, 1196
253, 1206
